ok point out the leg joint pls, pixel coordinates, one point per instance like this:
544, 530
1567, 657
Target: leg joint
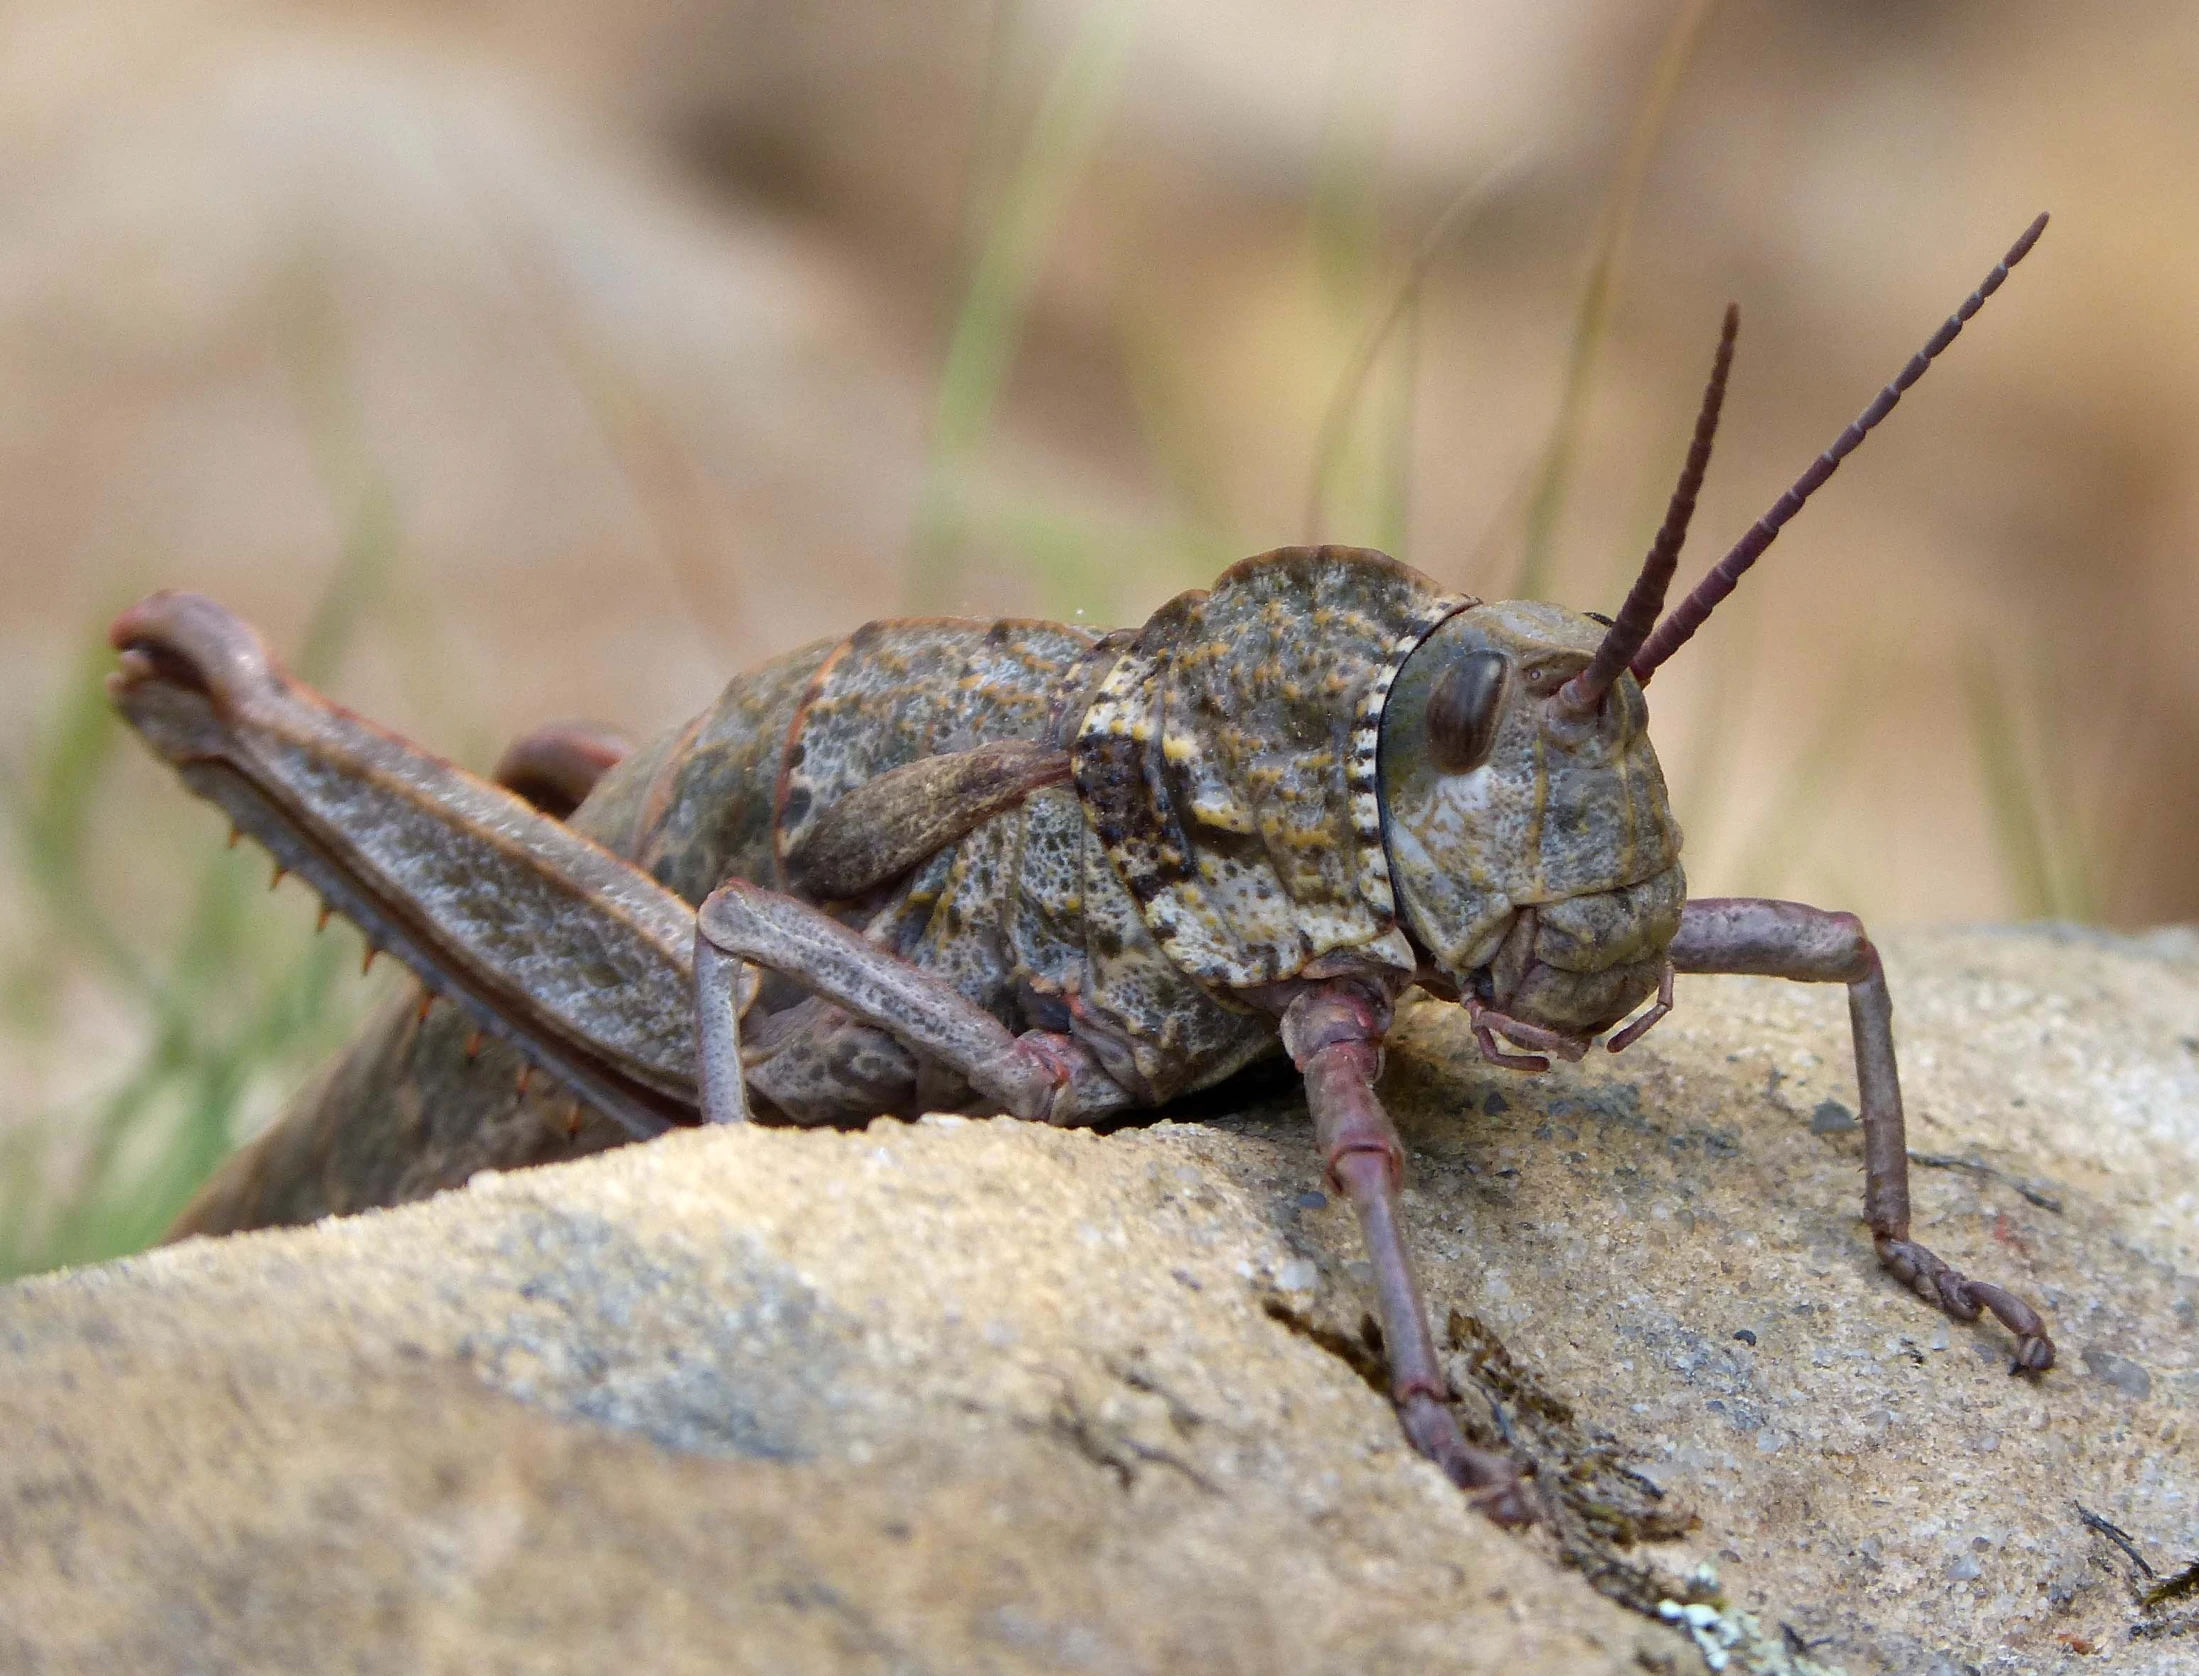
1364, 1163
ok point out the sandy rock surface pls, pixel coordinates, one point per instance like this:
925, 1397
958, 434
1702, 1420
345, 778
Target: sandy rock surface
977, 1396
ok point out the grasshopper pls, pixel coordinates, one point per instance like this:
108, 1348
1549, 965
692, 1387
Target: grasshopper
1020, 868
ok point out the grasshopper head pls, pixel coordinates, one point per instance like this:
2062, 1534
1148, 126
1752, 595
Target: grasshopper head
1531, 845
1531, 848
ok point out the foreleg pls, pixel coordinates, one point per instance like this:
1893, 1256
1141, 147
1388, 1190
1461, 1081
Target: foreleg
1040, 1075
1334, 1037
1789, 940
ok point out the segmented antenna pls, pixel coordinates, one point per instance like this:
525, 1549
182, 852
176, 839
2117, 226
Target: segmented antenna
1691, 613
1638, 616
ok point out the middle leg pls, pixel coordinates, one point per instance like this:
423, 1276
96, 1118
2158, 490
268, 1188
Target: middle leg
1334, 1034
1040, 1075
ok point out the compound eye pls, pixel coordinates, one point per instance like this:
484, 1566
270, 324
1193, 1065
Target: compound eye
1463, 711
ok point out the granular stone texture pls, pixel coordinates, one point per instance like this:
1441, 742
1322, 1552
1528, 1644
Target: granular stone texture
982, 1396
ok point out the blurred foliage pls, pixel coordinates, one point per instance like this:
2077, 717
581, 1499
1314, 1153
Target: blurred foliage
2050, 853
981, 348
1592, 314
239, 1005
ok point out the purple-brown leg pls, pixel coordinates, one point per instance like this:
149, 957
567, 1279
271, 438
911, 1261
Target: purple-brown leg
1038, 1075
1789, 940
1334, 1036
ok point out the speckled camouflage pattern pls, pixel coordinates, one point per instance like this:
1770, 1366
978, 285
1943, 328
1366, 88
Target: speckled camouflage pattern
1225, 831
417, 1103
896, 691
1229, 763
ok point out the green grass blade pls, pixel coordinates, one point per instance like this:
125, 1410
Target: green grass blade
1343, 211
1333, 439
982, 346
355, 587
1792, 819
2011, 803
51, 810
2033, 795
1592, 314
1394, 488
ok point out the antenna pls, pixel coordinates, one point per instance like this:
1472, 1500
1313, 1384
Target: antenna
1692, 612
1638, 616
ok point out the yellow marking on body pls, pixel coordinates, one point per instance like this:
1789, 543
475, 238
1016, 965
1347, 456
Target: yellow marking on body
1223, 813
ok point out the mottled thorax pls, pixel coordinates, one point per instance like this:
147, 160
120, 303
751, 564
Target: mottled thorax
1230, 760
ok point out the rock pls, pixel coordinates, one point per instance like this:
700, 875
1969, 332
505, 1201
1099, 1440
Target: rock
969, 1395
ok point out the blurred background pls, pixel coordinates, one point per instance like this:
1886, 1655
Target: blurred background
507, 362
